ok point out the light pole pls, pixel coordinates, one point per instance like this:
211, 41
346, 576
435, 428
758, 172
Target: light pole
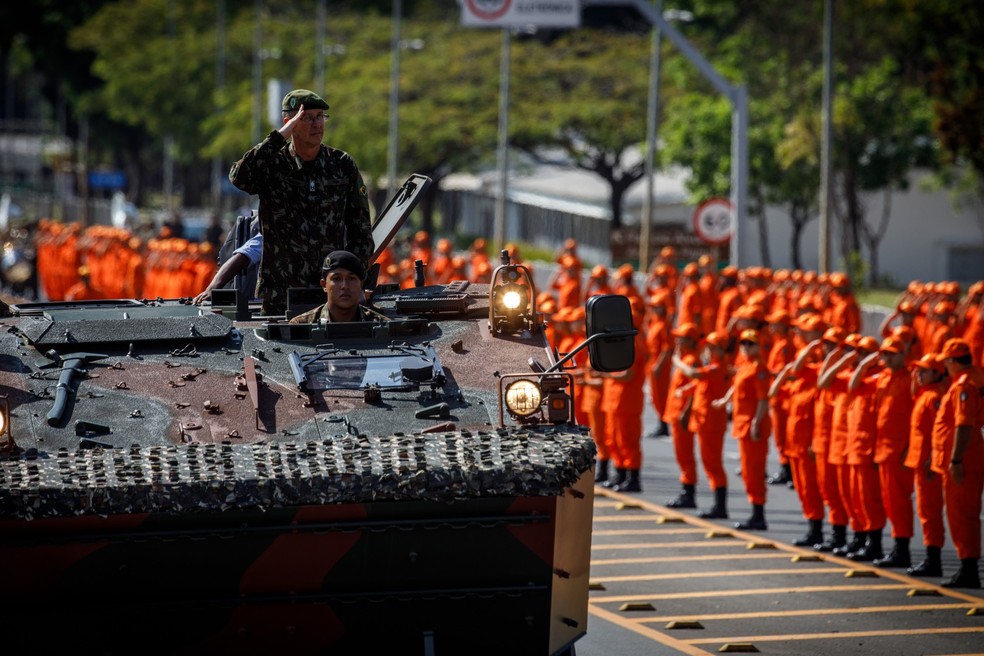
396, 45
825, 144
648, 202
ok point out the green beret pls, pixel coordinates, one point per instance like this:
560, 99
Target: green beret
298, 97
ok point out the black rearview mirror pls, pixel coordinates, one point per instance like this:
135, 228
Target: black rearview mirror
610, 314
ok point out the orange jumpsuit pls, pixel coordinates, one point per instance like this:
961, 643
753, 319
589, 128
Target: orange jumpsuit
689, 307
802, 394
623, 404
659, 342
837, 448
962, 405
751, 386
780, 355
928, 484
710, 423
683, 439
893, 404
865, 489
591, 395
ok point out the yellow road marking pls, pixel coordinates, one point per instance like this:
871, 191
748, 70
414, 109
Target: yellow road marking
656, 636
684, 559
742, 593
804, 613
719, 574
838, 634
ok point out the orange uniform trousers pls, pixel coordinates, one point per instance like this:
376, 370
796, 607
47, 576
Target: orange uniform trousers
929, 505
963, 508
826, 471
896, 482
866, 496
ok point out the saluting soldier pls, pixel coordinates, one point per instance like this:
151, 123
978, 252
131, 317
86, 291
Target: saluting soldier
312, 200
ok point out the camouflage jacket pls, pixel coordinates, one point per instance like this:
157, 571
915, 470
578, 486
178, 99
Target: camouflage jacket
307, 210
314, 315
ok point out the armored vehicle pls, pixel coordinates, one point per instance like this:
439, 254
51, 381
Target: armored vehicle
189, 479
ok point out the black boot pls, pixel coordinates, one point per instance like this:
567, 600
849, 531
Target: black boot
757, 520
899, 557
837, 539
966, 577
814, 535
872, 549
783, 476
601, 471
720, 509
685, 499
620, 474
630, 484
663, 430
850, 547
932, 566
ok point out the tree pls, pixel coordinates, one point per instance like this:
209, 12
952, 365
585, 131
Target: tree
584, 97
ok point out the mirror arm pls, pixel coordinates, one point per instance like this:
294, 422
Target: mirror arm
580, 347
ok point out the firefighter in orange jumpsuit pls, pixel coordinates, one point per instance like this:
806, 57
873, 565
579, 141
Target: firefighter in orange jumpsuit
860, 450
83, 290
751, 425
710, 422
798, 382
623, 409
708, 284
438, 269
678, 401
689, 303
729, 298
893, 407
842, 306
833, 381
478, 257
930, 383
780, 354
566, 282
659, 344
958, 454
598, 282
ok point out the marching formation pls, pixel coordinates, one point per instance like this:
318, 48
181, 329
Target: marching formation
861, 423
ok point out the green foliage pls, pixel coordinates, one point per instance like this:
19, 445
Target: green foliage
856, 268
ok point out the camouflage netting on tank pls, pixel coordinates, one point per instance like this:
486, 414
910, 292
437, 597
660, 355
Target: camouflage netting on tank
350, 469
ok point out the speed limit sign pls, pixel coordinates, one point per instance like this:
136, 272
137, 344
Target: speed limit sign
714, 220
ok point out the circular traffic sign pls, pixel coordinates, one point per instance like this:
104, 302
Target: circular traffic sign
714, 220
489, 9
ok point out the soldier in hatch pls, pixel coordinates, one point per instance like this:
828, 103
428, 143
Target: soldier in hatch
341, 277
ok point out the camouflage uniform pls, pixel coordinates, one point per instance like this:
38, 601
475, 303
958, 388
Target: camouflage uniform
307, 209
314, 315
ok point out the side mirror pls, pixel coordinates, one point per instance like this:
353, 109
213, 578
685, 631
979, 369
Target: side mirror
610, 314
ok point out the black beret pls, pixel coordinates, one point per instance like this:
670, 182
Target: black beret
344, 260
297, 97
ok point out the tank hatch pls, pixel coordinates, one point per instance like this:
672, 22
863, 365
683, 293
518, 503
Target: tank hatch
77, 326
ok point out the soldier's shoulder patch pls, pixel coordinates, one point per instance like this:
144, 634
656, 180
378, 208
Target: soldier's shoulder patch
362, 190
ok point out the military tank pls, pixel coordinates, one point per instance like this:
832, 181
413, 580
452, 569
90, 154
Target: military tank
185, 479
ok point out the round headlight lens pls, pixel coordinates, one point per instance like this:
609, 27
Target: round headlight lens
523, 397
511, 300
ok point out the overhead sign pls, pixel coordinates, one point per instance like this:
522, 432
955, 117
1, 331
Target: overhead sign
714, 220
520, 13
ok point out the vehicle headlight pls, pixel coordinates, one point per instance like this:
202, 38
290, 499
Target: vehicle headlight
523, 397
511, 300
